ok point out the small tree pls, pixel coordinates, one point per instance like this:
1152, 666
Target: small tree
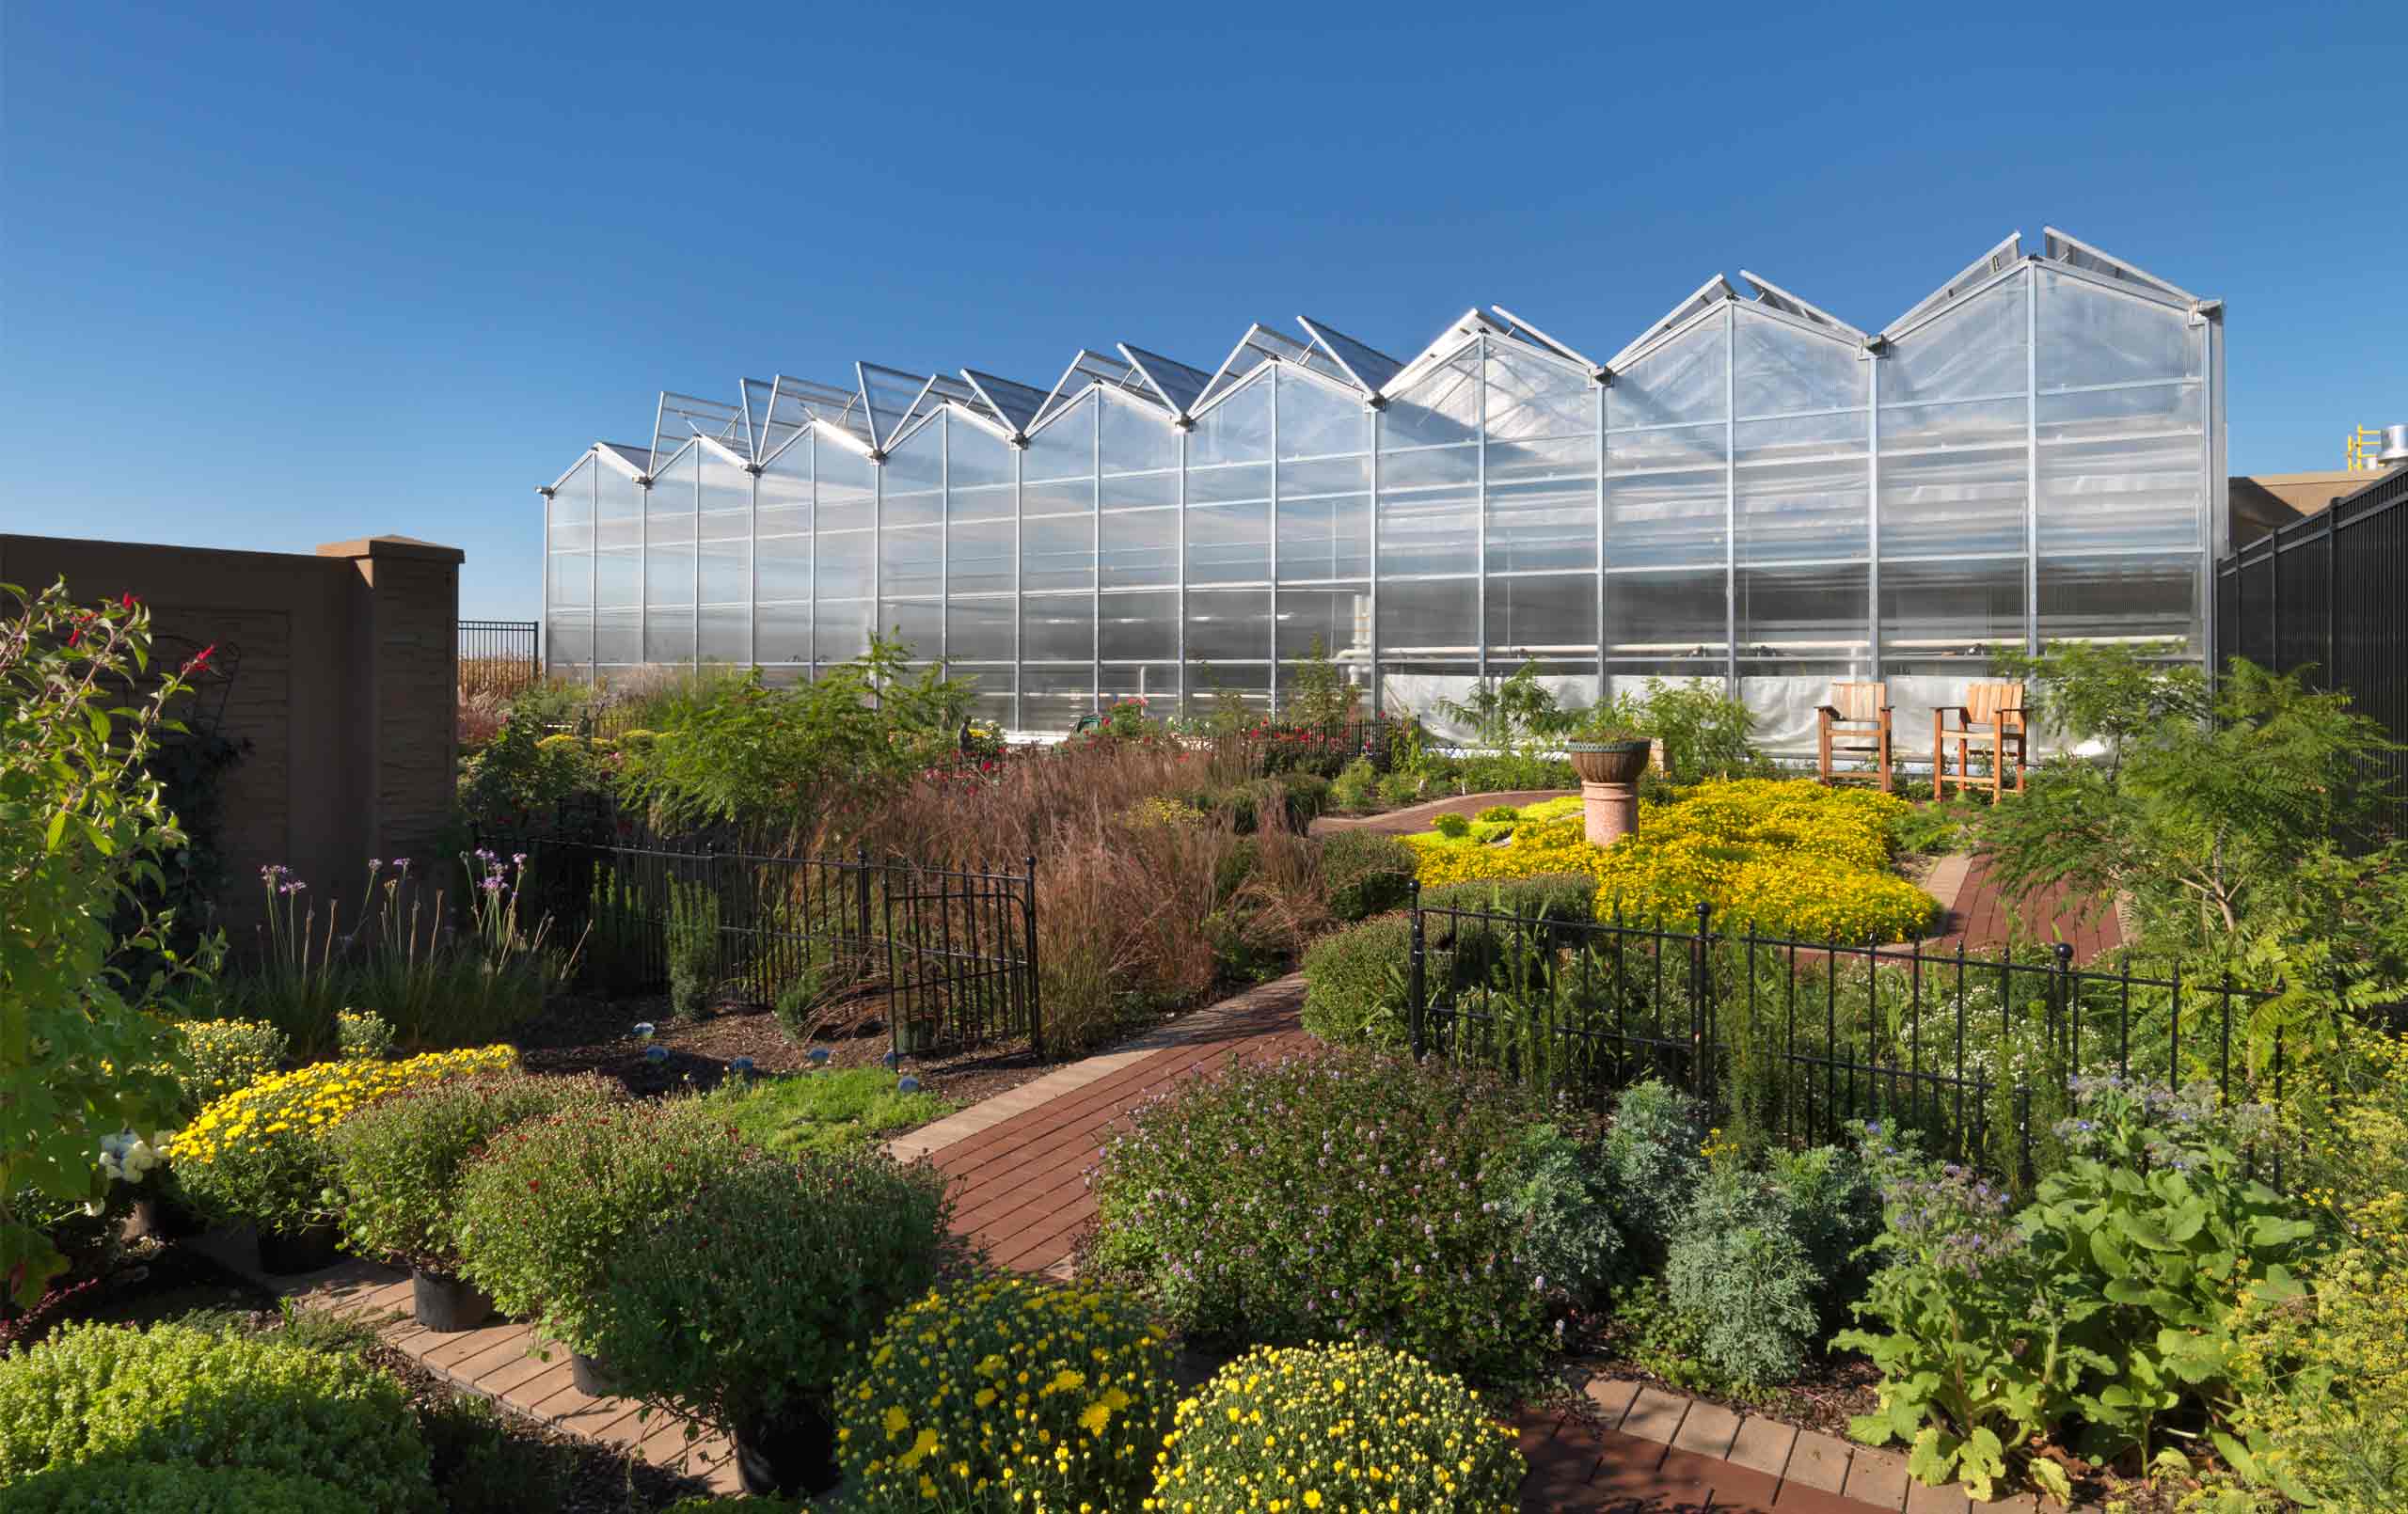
1510, 713
1319, 694
82, 827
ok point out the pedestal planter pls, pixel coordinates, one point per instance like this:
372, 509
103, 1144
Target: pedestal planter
1608, 803
591, 1377
287, 1252
794, 1453
445, 1304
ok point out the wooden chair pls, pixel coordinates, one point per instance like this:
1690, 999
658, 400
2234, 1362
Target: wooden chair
1859, 714
1991, 718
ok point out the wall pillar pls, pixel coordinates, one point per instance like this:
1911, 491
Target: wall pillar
402, 693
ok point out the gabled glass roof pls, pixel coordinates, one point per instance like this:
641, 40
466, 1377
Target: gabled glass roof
2078, 254
1094, 368
1709, 294
1773, 297
1017, 403
887, 397
1366, 365
1181, 387
1973, 275
682, 417
1262, 344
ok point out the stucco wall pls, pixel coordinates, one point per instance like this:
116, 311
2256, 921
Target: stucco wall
344, 688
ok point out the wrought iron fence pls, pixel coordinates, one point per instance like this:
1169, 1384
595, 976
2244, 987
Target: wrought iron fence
951, 953
2324, 593
499, 657
1796, 1038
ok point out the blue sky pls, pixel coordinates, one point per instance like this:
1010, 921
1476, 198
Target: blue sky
276, 276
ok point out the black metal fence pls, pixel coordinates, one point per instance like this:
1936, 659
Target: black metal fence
952, 954
1796, 1038
499, 657
2326, 592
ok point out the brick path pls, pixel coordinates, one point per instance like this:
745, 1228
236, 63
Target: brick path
1985, 919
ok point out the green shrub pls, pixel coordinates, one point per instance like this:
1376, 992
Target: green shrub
1235, 868
540, 1213
226, 1055
1356, 786
741, 1307
1008, 1393
1563, 1198
362, 1035
1355, 984
1307, 796
398, 1163
1241, 951
96, 1393
1398, 789
821, 971
1309, 1428
1370, 1199
829, 1108
1365, 873
479, 1467
693, 943
1736, 1263
1451, 825
1561, 896
1654, 1164
1497, 813
177, 1488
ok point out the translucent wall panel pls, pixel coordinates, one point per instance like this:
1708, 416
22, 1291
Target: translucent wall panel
846, 491
568, 572
981, 630
1951, 613
1053, 698
1338, 618
1954, 477
618, 508
1798, 446
1057, 501
1541, 466
841, 628
1804, 619
845, 550
1057, 628
781, 555
1424, 620
918, 623
782, 633
1667, 452
1229, 543
618, 636
1139, 458
1138, 627
1139, 548
723, 530
1543, 616
1429, 501
2126, 598
1670, 619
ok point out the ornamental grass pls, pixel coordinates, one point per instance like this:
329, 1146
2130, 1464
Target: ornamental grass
1007, 1395
258, 1153
1787, 858
1336, 1429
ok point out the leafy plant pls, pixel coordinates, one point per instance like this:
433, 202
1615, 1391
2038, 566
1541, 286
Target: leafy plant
1453, 827
1005, 1393
1509, 712
1654, 1160
1357, 787
1365, 873
833, 1109
226, 1055
102, 1394
694, 942
1326, 1198
177, 1488
1563, 1199
398, 1163
1354, 983
742, 1305
1315, 691
82, 825
479, 1467
362, 1035
1309, 1428
1736, 1262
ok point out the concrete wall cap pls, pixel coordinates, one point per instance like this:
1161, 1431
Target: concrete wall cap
392, 546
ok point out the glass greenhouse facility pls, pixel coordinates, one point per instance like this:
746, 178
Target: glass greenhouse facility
1752, 490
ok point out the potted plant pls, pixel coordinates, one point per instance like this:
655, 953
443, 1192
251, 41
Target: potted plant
1605, 751
542, 1208
398, 1163
744, 1305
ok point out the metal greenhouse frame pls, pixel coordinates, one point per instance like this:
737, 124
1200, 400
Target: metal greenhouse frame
1754, 491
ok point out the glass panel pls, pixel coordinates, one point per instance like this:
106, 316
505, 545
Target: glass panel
975, 458
845, 563
1666, 494
918, 623
1429, 617
1533, 398
1315, 421
1673, 619
726, 638
783, 632
727, 501
1058, 471
1339, 618
2120, 599
1228, 624
568, 641
1543, 504
980, 557
1327, 538
1441, 408
783, 492
1229, 543
910, 563
618, 508
1801, 488
1155, 682
2089, 335
1059, 551
1140, 458
1247, 682
669, 504
1228, 452
846, 480
1429, 472
669, 637
1948, 614
1777, 370
1975, 351
1138, 626
1057, 628
979, 630
1684, 380
571, 585
1817, 614
915, 479
1956, 497
844, 628
669, 574
726, 578
1541, 617
1140, 548
783, 568
615, 639
617, 578
570, 510
1052, 699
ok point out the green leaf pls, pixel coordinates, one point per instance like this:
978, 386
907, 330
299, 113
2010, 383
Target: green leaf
2052, 1479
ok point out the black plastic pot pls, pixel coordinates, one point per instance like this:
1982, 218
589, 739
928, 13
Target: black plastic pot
445, 1304
794, 1452
285, 1252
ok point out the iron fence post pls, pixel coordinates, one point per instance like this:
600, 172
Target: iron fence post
1701, 1080
2069, 1017
1414, 975
1035, 981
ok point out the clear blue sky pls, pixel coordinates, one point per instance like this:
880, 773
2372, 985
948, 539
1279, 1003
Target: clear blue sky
274, 276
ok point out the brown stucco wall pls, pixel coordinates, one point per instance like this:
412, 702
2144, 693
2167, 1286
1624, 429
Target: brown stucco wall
345, 688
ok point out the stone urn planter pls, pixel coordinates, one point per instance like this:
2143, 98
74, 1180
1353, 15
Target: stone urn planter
793, 1452
1609, 801
445, 1304
286, 1252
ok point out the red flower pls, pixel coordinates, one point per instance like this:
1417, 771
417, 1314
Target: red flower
75, 636
200, 658
126, 601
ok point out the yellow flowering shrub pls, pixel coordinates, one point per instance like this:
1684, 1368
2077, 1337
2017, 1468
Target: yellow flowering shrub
1008, 1394
226, 1055
1779, 857
255, 1154
1341, 1429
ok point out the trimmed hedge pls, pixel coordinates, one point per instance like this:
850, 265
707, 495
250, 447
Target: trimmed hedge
175, 1488
1366, 873
1354, 983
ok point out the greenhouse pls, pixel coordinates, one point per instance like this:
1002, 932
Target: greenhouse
1752, 490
